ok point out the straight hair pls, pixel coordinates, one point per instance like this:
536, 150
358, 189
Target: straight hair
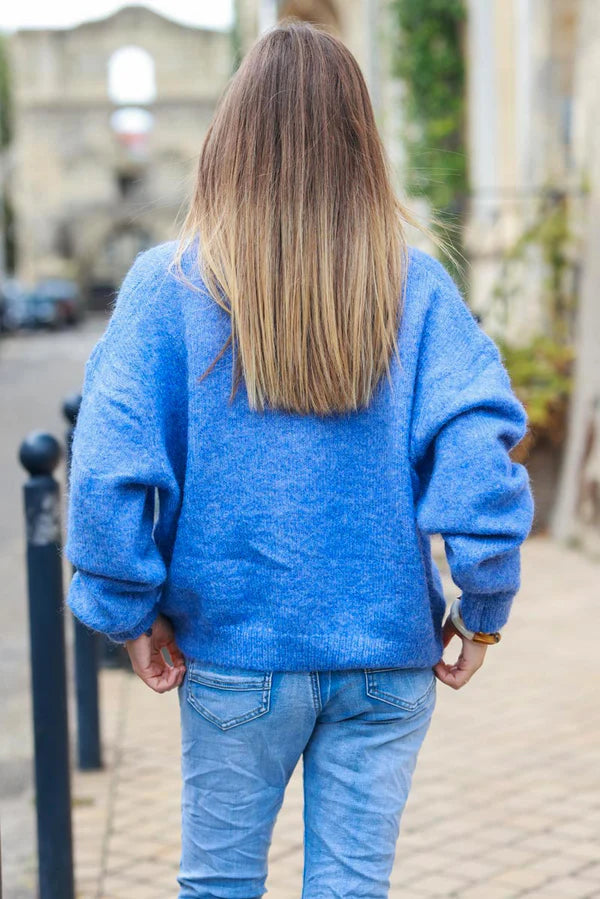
301, 237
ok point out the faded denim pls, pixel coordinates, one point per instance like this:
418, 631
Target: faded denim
359, 732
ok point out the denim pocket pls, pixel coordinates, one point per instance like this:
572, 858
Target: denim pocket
406, 688
228, 696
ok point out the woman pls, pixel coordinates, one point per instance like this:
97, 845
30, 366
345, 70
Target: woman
283, 408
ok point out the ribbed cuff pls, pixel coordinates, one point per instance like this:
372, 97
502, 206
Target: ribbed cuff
485, 612
135, 632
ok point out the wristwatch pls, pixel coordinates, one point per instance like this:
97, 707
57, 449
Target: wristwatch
475, 636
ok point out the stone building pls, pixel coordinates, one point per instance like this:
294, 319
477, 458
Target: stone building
577, 510
110, 117
97, 177
520, 63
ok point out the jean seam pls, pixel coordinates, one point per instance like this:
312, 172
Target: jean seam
316, 690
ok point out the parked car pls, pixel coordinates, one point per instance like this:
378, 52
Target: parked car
55, 302
13, 301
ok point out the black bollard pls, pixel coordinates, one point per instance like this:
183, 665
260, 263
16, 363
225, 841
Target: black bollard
86, 645
40, 454
107, 653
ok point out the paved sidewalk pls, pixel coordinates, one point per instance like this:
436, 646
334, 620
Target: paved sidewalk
506, 795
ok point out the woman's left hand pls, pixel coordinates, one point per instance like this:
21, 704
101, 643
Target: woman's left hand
148, 661
469, 661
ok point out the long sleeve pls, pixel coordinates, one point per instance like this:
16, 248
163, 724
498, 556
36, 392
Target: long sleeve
127, 449
466, 419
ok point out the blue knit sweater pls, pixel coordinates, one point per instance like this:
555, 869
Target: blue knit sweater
288, 542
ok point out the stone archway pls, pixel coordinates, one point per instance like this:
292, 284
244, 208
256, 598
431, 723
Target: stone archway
112, 259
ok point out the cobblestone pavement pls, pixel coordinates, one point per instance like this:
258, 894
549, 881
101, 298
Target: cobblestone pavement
37, 371
506, 795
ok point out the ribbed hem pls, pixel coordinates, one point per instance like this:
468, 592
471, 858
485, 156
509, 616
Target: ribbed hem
249, 648
485, 612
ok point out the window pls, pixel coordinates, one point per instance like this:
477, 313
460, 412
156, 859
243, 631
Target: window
131, 81
131, 78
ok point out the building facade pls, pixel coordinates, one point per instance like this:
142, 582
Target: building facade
109, 118
99, 174
520, 64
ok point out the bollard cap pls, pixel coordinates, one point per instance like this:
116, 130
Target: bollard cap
70, 407
40, 453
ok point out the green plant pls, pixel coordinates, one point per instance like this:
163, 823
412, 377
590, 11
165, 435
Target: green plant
429, 60
550, 237
541, 376
5, 94
8, 250
541, 371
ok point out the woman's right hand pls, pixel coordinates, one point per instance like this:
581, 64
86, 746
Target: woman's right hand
469, 661
148, 661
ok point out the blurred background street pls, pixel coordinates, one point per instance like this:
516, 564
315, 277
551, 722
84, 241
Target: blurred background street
489, 112
36, 372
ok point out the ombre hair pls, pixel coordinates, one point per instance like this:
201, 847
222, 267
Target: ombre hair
300, 234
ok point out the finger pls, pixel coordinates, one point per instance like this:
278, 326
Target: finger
170, 679
175, 653
441, 670
164, 681
438, 669
457, 678
167, 682
453, 675
153, 671
179, 674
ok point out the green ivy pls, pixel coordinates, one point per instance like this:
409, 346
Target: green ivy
551, 234
541, 371
5, 95
541, 375
429, 60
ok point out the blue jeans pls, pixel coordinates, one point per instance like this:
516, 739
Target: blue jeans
243, 732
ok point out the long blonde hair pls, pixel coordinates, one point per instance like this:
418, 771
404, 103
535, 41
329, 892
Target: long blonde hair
300, 233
